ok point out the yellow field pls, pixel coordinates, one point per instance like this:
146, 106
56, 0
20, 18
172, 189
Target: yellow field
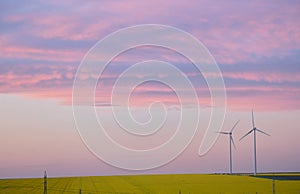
193, 184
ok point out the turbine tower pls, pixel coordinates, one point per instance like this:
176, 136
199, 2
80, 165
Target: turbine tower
254, 129
230, 141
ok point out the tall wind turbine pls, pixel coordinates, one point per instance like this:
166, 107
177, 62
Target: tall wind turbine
254, 129
230, 141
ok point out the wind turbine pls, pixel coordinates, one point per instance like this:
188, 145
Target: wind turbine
230, 141
254, 129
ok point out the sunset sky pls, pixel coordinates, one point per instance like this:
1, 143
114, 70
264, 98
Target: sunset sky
255, 43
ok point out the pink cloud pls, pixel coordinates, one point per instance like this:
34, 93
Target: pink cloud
57, 84
241, 34
41, 53
234, 32
267, 103
231, 38
18, 80
271, 77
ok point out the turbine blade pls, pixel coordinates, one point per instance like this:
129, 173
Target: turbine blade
231, 138
234, 125
253, 119
263, 132
221, 132
246, 134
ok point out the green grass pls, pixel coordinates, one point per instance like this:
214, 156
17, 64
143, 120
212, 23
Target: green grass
190, 183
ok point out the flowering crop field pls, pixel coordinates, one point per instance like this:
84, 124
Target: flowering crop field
175, 183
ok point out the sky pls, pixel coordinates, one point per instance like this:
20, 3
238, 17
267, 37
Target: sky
255, 44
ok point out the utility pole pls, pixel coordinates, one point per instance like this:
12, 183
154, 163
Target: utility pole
45, 182
274, 186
